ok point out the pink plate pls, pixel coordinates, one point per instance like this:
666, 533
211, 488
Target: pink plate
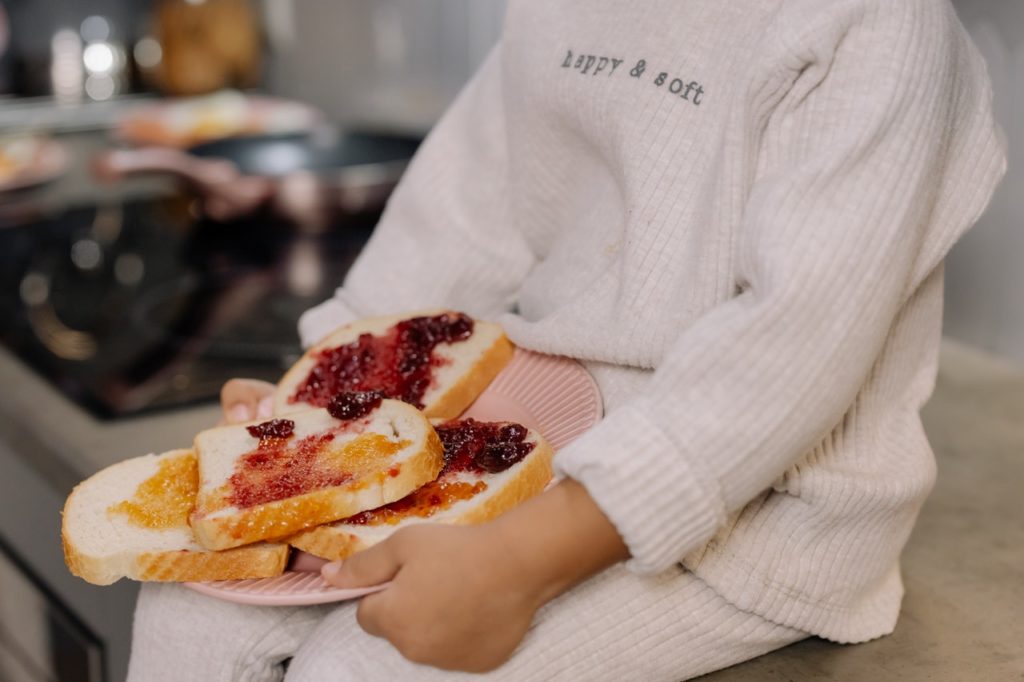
291, 588
553, 395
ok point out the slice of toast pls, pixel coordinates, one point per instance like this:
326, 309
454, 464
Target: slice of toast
439, 361
131, 520
262, 481
472, 488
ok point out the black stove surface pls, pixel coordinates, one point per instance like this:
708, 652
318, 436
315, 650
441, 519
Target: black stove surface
135, 306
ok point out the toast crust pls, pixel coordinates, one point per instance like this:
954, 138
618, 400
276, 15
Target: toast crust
529, 481
448, 405
462, 393
286, 517
95, 570
258, 561
329, 542
340, 541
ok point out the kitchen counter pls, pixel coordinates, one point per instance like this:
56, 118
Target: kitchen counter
65, 444
960, 617
47, 445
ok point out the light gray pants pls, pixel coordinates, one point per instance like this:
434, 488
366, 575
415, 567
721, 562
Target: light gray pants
616, 626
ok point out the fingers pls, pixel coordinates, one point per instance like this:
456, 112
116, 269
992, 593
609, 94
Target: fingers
246, 399
372, 566
265, 407
369, 615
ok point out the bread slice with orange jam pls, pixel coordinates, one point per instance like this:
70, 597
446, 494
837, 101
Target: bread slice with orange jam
490, 467
439, 361
271, 479
131, 520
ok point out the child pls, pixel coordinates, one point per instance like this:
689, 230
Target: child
735, 213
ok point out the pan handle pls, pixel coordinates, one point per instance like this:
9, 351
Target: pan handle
120, 163
226, 192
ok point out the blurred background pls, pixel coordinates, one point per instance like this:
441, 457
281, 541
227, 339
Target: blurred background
983, 276
180, 179
404, 59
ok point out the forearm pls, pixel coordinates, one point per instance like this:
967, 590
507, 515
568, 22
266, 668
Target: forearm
559, 539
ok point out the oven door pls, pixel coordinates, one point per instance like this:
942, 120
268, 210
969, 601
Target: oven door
40, 640
53, 626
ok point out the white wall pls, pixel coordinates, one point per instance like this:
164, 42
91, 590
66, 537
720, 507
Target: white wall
985, 272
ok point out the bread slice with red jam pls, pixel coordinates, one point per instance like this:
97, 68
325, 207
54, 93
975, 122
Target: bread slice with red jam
131, 520
271, 479
438, 361
489, 468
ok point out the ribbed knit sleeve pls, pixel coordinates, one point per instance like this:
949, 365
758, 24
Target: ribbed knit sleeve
878, 158
445, 237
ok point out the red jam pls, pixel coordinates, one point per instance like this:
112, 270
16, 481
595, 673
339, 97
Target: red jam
469, 446
354, 404
397, 363
490, 447
275, 428
280, 468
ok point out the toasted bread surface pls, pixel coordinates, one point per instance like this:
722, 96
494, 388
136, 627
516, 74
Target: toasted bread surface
351, 466
503, 491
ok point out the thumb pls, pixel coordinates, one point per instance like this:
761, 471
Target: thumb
372, 566
245, 399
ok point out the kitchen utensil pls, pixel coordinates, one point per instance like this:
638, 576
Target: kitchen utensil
299, 176
29, 161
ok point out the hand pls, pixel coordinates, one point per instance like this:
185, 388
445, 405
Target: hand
457, 598
462, 597
243, 400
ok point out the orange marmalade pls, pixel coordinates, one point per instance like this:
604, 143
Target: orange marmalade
165, 499
426, 501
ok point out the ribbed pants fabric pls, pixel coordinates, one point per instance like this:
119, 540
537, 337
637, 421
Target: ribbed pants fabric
181, 635
616, 626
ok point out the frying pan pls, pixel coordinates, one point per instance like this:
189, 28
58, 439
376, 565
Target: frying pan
302, 177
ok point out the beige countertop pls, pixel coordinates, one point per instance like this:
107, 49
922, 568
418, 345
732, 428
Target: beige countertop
962, 567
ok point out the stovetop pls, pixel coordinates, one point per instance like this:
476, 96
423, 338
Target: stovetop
130, 306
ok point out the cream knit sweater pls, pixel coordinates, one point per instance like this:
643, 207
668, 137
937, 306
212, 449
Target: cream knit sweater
735, 212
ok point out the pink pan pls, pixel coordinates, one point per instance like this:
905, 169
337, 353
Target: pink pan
550, 394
